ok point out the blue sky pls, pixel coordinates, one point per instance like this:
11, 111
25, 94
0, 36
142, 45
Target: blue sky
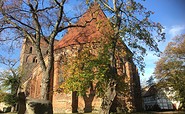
171, 14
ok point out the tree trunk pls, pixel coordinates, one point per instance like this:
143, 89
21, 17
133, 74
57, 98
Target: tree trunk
108, 98
45, 85
21, 103
44, 104
110, 94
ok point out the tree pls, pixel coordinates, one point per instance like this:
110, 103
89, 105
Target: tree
36, 20
150, 81
87, 68
2, 95
9, 81
170, 68
138, 32
42, 19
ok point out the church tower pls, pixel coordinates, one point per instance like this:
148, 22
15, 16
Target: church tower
28, 57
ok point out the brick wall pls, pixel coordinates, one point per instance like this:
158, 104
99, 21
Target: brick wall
65, 103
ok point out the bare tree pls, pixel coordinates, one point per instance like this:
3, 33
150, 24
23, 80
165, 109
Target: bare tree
36, 20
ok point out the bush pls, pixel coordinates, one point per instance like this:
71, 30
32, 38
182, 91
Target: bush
10, 99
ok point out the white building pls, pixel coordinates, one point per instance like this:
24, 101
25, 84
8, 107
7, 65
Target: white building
159, 99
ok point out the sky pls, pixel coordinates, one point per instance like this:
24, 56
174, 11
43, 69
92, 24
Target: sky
171, 14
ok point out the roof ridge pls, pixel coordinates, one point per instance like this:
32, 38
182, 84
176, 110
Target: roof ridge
78, 35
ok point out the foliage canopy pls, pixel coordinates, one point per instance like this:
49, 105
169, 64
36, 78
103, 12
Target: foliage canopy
170, 69
10, 81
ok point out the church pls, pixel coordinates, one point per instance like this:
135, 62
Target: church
73, 41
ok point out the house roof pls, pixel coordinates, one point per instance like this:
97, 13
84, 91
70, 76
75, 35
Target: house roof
96, 25
151, 91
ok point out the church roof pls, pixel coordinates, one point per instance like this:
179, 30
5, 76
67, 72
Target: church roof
97, 26
95, 21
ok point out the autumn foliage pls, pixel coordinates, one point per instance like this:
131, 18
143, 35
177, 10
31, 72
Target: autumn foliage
170, 69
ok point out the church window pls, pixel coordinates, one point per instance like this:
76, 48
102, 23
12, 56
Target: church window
47, 52
27, 58
30, 51
34, 60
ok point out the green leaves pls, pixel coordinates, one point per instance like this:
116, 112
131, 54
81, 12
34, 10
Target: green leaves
136, 28
10, 99
87, 68
10, 81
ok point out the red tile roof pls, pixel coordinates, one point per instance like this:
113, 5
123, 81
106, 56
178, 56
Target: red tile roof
90, 32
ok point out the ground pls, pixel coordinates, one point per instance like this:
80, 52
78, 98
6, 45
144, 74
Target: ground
166, 112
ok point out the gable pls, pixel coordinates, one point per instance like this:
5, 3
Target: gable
96, 26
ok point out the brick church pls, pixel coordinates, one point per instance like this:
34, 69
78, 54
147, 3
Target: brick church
74, 40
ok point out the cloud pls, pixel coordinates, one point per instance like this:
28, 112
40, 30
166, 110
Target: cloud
176, 30
164, 29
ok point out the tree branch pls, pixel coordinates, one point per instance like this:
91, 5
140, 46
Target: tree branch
72, 26
105, 4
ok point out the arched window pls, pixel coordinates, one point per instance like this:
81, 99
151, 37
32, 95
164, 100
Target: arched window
47, 52
30, 51
34, 60
27, 58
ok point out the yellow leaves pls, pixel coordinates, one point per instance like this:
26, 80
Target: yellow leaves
129, 8
78, 71
81, 70
177, 47
170, 68
87, 1
99, 24
90, 65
